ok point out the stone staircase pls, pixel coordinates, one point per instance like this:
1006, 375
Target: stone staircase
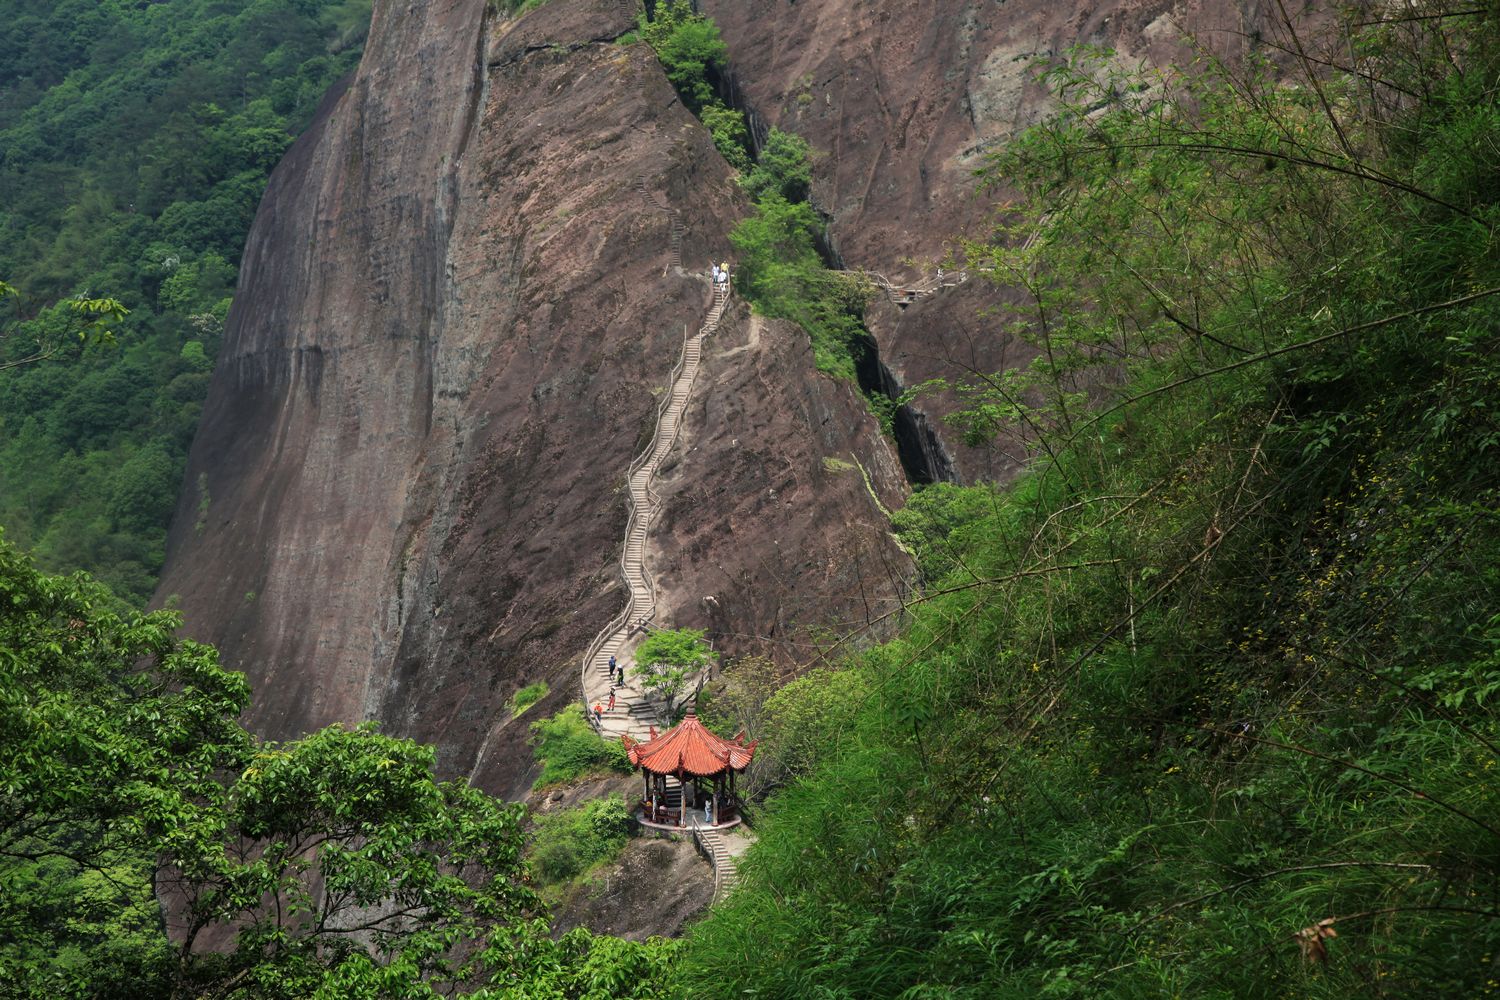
634, 713
711, 843
656, 198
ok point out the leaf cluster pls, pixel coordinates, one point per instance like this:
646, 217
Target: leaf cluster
131, 796
569, 749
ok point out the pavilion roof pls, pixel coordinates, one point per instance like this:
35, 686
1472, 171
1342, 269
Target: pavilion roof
689, 748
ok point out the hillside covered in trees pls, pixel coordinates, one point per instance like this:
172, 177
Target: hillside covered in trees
135, 142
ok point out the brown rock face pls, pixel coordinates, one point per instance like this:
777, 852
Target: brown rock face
768, 526
901, 101
405, 499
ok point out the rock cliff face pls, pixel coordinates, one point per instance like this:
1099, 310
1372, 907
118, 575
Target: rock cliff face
405, 499
902, 100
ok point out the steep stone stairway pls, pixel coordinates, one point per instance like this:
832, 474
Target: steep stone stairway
634, 713
711, 843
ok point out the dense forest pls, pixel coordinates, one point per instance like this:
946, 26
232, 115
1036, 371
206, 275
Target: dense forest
1204, 705
135, 142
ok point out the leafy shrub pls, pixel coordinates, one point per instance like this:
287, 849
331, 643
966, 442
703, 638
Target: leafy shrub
570, 749
731, 138
689, 48
781, 273
784, 167
567, 843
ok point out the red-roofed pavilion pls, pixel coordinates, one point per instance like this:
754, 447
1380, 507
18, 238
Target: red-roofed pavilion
695, 757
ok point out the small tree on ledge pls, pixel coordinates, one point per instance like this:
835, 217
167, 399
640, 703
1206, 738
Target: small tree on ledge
668, 658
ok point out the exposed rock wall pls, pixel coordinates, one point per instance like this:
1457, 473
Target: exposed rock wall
901, 101
405, 499
768, 525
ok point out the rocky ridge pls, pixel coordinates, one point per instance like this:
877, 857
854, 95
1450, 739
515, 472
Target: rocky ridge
901, 102
406, 495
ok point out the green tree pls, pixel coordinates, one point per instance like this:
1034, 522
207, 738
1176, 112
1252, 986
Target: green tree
137, 140
668, 658
338, 861
114, 735
689, 48
784, 167
781, 273
731, 139
80, 321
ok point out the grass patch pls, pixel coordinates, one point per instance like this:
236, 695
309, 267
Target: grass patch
569, 843
526, 697
569, 750
514, 7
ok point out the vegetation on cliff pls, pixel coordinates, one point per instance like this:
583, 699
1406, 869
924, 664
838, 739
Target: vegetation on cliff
1206, 704
332, 866
780, 269
135, 142
569, 749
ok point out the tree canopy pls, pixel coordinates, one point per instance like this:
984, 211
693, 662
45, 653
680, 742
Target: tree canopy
151, 847
668, 658
135, 142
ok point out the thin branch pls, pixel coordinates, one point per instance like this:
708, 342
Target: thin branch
1270, 875
1476, 12
1360, 172
1317, 755
1288, 349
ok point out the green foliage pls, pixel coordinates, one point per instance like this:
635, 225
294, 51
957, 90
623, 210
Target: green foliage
941, 521
416, 864
689, 48
781, 273
780, 270
569, 749
80, 322
526, 697
567, 843
135, 141
731, 137
533, 965
784, 168
693, 56
1219, 674
684, 647
113, 735
329, 867
668, 658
